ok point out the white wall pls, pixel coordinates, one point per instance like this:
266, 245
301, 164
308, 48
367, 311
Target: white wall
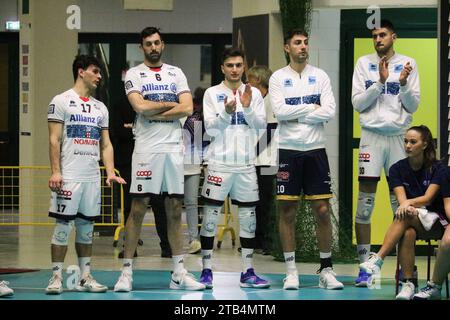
8, 12
324, 53
188, 16
359, 4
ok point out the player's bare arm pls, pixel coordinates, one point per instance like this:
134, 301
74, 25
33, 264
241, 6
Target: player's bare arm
55, 130
146, 107
108, 159
182, 109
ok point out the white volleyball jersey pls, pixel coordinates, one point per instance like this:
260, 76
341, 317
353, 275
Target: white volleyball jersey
156, 84
302, 103
234, 136
83, 120
385, 109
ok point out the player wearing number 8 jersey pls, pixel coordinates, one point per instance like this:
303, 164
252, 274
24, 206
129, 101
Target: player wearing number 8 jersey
160, 95
78, 134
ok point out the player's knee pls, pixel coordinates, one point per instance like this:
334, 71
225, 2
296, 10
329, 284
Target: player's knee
364, 210
322, 212
139, 207
210, 219
247, 222
61, 232
410, 235
84, 230
445, 242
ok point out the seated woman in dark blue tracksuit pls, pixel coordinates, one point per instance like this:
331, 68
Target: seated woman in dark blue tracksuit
416, 182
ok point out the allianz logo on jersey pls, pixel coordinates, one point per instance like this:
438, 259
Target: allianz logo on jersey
159, 87
81, 118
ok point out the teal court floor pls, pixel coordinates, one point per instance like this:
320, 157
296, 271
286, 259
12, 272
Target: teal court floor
154, 285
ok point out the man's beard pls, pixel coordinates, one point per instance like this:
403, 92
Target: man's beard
301, 59
153, 57
383, 50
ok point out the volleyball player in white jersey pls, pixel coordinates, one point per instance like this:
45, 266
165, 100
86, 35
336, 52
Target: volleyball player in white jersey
302, 100
160, 95
233, 113
78, 133
385, 92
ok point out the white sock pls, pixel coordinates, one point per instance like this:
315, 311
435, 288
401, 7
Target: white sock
57, 268
127, 266
247, 259
207, 259
363, 251
289, 258
178, 263
85, 266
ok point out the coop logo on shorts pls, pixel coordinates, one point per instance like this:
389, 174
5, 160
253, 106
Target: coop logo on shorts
173, 87
283, 176
144, 175
51, 109
64, 194
364, 157
217, 181
287, 83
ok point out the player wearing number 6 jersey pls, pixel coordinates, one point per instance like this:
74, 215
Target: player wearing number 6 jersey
78, 134
160, 95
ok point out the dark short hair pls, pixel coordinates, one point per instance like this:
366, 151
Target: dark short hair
384, 23
149, 31
83, 61
297, 31
232, 52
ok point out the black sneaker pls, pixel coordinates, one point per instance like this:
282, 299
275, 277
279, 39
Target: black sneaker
166, 254
121, 254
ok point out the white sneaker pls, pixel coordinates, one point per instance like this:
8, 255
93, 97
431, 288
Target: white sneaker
125, 282
327, 280
88, 284
407, 292
194, 247
5, 290
185, 281
372, 265
431, 292
291, 281
54, 285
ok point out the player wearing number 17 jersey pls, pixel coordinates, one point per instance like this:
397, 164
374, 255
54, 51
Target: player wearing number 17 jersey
78, 134
160, 95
